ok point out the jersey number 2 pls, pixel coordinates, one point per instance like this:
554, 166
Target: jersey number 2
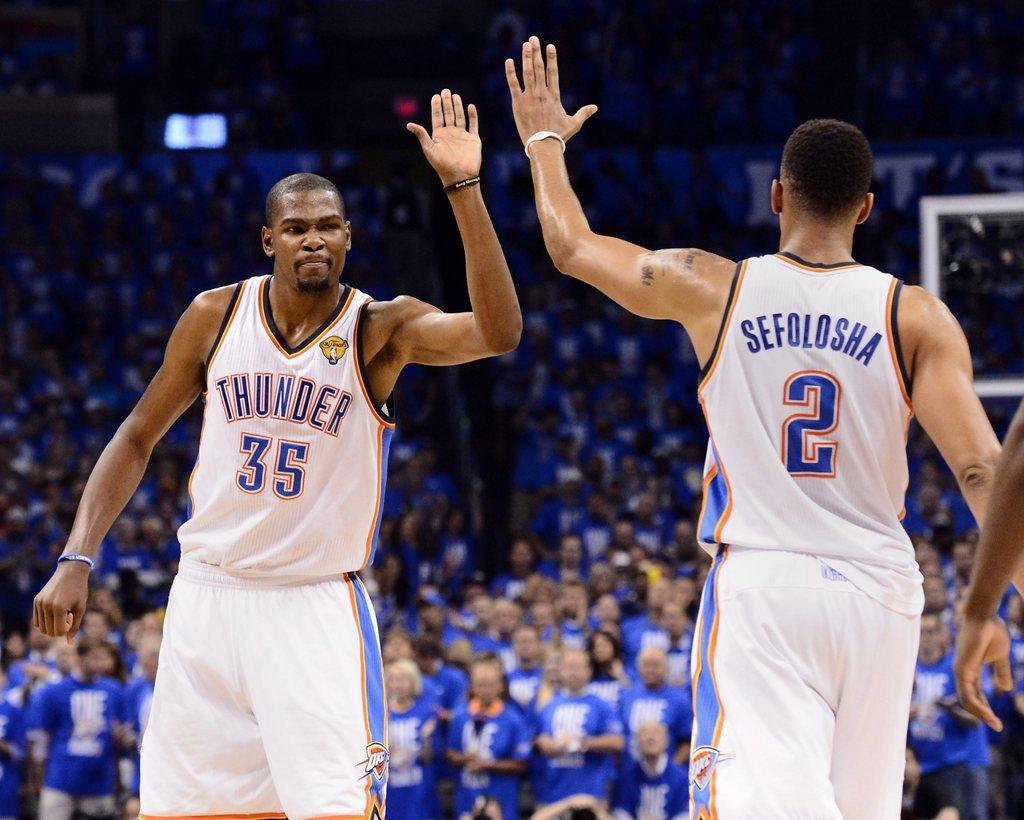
805, 450
289, 473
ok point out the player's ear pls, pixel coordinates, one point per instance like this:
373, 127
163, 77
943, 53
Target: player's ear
267, 240
865, 209
348, 235
776, 197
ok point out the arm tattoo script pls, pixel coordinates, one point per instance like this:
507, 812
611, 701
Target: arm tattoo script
660, 262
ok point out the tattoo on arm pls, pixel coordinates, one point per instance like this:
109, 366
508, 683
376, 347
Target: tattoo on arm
660, 262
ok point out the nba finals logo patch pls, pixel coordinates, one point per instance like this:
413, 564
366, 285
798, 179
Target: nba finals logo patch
702, 765
333, 348
376, 763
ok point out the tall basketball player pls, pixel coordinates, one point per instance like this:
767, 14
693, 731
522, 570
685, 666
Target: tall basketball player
804, 656
269, 693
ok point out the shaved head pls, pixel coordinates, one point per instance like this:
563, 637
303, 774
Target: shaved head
297, 184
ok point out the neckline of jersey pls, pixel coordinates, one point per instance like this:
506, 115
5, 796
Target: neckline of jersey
278, 338
792, 258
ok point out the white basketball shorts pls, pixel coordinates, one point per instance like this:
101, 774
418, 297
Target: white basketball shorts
802, 688
269, 702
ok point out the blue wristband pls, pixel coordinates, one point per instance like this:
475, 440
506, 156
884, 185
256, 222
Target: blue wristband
77, 556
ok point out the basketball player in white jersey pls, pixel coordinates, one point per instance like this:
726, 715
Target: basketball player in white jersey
269, 694
804, 655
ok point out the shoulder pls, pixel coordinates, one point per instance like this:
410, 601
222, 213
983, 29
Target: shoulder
203, 317
395, 311
916, 302
381, 323
215, 300
924, 321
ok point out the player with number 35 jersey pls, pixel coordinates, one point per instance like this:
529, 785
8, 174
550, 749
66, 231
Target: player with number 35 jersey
812, 366
269, 693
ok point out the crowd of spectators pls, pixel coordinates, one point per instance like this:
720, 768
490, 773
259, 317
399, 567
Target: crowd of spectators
562, 669
537, 640
688, 72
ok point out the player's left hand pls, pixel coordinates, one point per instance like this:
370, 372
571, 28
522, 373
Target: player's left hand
453, 146
537, 105
980, 642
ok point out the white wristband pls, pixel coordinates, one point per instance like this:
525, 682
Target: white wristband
543, 135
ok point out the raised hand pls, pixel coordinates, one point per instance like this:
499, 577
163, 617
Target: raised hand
537, 104
453, 147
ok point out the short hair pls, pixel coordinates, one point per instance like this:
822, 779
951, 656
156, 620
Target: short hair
296, 184
827, 167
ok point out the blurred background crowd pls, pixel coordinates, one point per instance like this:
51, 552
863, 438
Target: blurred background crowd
538, 544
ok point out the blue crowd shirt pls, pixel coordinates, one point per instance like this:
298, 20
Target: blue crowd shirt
577, 772
522, 687
12, 730
669, 706
937, 738
138, 700
661, 794
448, 685
639, 633
79, 718
497, 733
411, 782
679, 660
608, 688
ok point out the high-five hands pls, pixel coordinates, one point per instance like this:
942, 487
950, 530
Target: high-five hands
453, 146
537, 105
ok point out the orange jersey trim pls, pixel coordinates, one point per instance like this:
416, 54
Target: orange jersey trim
227, 327
310, 342
195, 467
725, 475
380, 496
360, 364
892, 344
256, 816
822, 269
726, 321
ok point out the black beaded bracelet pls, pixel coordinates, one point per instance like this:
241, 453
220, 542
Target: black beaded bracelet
465, 183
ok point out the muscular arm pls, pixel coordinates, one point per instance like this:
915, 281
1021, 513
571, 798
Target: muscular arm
408, 331
423, 334
943, 392
123, 462
687, 285
1002, 537
950, 412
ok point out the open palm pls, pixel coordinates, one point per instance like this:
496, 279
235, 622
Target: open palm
453, 147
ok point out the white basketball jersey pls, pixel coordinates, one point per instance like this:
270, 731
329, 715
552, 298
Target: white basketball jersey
807, 406
292, 463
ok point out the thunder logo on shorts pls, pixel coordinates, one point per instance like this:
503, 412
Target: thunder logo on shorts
376, 763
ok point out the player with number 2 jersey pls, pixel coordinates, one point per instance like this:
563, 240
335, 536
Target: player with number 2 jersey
812, 365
